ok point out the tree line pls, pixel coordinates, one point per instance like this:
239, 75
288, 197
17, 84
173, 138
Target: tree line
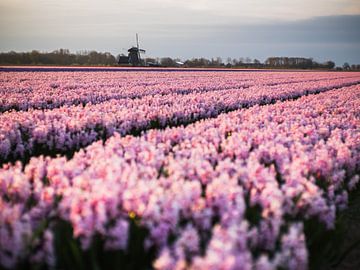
58, 57
89, 58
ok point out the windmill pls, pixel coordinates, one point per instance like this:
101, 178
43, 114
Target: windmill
135, 53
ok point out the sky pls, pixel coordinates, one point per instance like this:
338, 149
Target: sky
321, 29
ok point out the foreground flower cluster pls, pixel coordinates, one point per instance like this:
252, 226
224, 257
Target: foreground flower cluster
232, 192
63, 130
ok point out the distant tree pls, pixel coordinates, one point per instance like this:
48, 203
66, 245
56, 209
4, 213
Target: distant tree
330, 64
290, 62
167, 62
346, 66
35, 57
216, 62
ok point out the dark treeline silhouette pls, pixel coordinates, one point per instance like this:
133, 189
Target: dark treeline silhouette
58, 57
297, 62
271, 62
63, 57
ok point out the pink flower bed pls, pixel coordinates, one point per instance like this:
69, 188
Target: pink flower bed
68, 128
23, 90
232, 192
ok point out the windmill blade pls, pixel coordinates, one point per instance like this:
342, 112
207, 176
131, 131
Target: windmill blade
138, 48
137, 41
142, 51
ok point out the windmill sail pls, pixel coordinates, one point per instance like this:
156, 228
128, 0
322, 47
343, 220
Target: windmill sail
138, 48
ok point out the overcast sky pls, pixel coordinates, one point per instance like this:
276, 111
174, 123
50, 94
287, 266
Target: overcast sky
322, 29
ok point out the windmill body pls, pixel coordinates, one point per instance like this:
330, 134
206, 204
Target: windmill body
134, 55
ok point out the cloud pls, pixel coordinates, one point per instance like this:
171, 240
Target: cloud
333, 29
328, 37
186, 28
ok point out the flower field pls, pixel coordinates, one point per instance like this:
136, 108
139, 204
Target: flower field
175, 170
